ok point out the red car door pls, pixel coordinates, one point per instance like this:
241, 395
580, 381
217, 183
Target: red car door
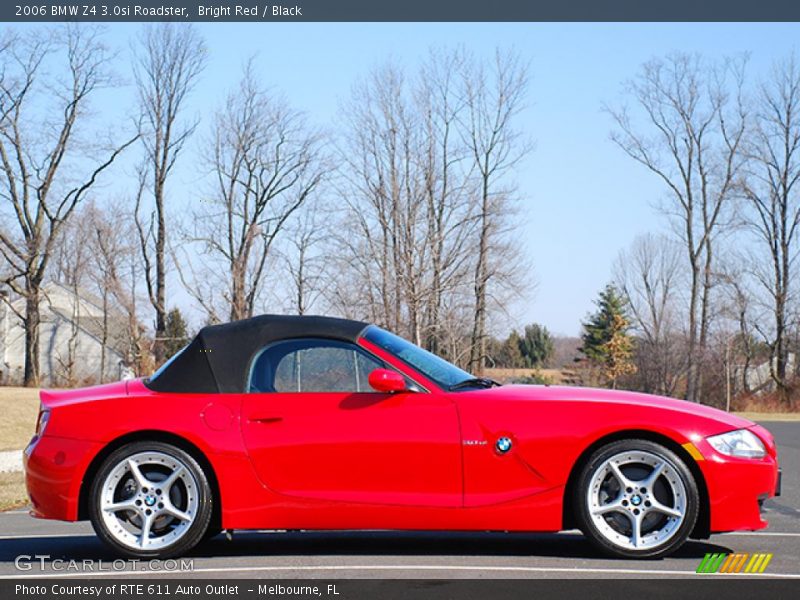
314, 429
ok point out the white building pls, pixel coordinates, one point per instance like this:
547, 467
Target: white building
759, 378
70, 340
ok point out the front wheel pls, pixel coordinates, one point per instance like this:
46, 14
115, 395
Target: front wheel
150, 500
636, 499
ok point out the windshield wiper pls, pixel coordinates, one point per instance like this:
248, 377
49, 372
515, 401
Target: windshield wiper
475, 381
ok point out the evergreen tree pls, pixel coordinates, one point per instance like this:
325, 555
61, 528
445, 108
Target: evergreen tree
606, 341
510, 356
536, 346
176, 333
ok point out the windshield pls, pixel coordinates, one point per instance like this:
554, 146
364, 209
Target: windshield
434, 368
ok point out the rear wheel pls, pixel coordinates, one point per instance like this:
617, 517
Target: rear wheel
150, 500
636, 499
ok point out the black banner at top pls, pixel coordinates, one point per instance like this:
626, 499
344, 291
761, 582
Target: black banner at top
399, 10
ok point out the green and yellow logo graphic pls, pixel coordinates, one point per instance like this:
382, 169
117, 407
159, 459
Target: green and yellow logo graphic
738, 562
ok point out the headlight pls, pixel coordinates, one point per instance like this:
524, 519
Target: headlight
741, 443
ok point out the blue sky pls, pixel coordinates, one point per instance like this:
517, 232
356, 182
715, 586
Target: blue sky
583, 200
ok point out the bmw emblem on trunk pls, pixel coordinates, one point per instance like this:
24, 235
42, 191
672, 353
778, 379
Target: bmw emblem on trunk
503, 445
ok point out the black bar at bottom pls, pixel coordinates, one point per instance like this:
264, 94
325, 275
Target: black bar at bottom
697, 588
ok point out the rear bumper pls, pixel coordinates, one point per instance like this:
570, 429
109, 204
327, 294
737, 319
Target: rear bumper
54, 469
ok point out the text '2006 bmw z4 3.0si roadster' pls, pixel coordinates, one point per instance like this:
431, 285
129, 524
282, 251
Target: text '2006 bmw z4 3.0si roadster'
282, 422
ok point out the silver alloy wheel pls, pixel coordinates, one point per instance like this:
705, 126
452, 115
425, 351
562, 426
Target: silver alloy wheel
149, 500
637, 500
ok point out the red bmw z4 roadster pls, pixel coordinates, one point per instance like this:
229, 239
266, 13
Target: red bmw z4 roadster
284, 422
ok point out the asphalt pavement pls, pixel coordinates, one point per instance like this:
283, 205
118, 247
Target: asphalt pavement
72, 550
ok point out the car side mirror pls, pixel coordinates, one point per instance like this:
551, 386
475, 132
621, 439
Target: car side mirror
387, 381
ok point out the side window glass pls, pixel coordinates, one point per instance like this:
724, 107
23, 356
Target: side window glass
364, 366
320, 369
312, 366
287, 374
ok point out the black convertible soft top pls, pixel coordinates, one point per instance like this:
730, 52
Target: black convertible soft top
218, 358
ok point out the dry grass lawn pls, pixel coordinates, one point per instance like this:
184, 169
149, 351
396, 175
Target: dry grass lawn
19, 408
769, 416
555, 376
12, 490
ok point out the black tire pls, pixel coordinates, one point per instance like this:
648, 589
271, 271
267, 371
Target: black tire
596, 536
195, 531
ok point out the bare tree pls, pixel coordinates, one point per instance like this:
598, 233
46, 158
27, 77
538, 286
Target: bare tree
406, 198
115, 274
169, 61
71, 268
694, 125
378, 240
447, 173
774, 202
494, 97
266, 163
739, 305
49, 162
95, 255
649, 275
303, 260
415, 208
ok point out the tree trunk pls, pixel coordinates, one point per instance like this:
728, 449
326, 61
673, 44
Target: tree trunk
781, 287
161, 279
779, 348
477, 351
32, 321
104, 340
691, 372
705, 303
301, 300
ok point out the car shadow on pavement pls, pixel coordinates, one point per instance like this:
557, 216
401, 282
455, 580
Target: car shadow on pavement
411, 543
339, 543
77, 548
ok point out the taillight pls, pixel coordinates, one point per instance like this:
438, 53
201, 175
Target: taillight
41, 422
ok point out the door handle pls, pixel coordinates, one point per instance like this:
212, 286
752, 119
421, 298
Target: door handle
264, 419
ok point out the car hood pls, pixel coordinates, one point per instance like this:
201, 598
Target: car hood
55, 398
595, 395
